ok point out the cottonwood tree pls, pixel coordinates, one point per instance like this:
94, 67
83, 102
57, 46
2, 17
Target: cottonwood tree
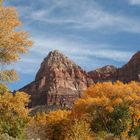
13, 114
13, 41
114, 108
1, 1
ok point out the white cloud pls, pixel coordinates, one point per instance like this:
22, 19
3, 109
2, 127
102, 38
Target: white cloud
79, 49
134, 2
81, 16
57, 20
87, 56
97, 18
87, 15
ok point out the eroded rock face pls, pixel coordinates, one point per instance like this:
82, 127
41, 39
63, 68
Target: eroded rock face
58, 81
61, 81
129, 72
105, 73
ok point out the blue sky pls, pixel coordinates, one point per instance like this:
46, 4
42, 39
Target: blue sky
93, 33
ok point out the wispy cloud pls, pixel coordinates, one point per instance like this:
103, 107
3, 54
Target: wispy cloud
87, 15
90, 32
72, 48
77, 51
134, 2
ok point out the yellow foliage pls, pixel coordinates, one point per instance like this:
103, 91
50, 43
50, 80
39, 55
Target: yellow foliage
14, 104
8, 75
50, 125
13, 41
97, 110
13, 113
37, 127
103, 98
109, 94
56, 116
79, 130
109, 108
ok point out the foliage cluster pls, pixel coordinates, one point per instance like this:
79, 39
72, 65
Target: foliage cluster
105, 110
58, 125
13, 41
13, 114
114, 108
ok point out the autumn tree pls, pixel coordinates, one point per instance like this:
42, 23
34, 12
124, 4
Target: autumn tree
1, 1
79, 130
13, 41
51, 126
114, 107
13, 114
58, 125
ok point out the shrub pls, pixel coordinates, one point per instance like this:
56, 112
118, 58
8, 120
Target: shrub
51, 126
79, 130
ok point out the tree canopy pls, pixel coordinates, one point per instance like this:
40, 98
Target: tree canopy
13, 41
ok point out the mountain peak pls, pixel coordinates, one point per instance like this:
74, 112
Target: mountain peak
106, 69
136, 56
57, 58
55, 53
103, 74
58, 78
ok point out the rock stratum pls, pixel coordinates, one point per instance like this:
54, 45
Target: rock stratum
60, 81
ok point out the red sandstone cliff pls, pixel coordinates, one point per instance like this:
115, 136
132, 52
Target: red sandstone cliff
61, 81
128, 72
58, 81
105, 73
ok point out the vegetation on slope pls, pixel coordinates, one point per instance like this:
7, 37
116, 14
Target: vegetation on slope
106, 109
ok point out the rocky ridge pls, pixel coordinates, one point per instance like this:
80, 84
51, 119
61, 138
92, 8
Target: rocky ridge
105, 73
60, 81
128, 72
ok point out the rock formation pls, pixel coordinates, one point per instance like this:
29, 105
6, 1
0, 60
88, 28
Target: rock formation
128, 72
105, 73
58, 81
